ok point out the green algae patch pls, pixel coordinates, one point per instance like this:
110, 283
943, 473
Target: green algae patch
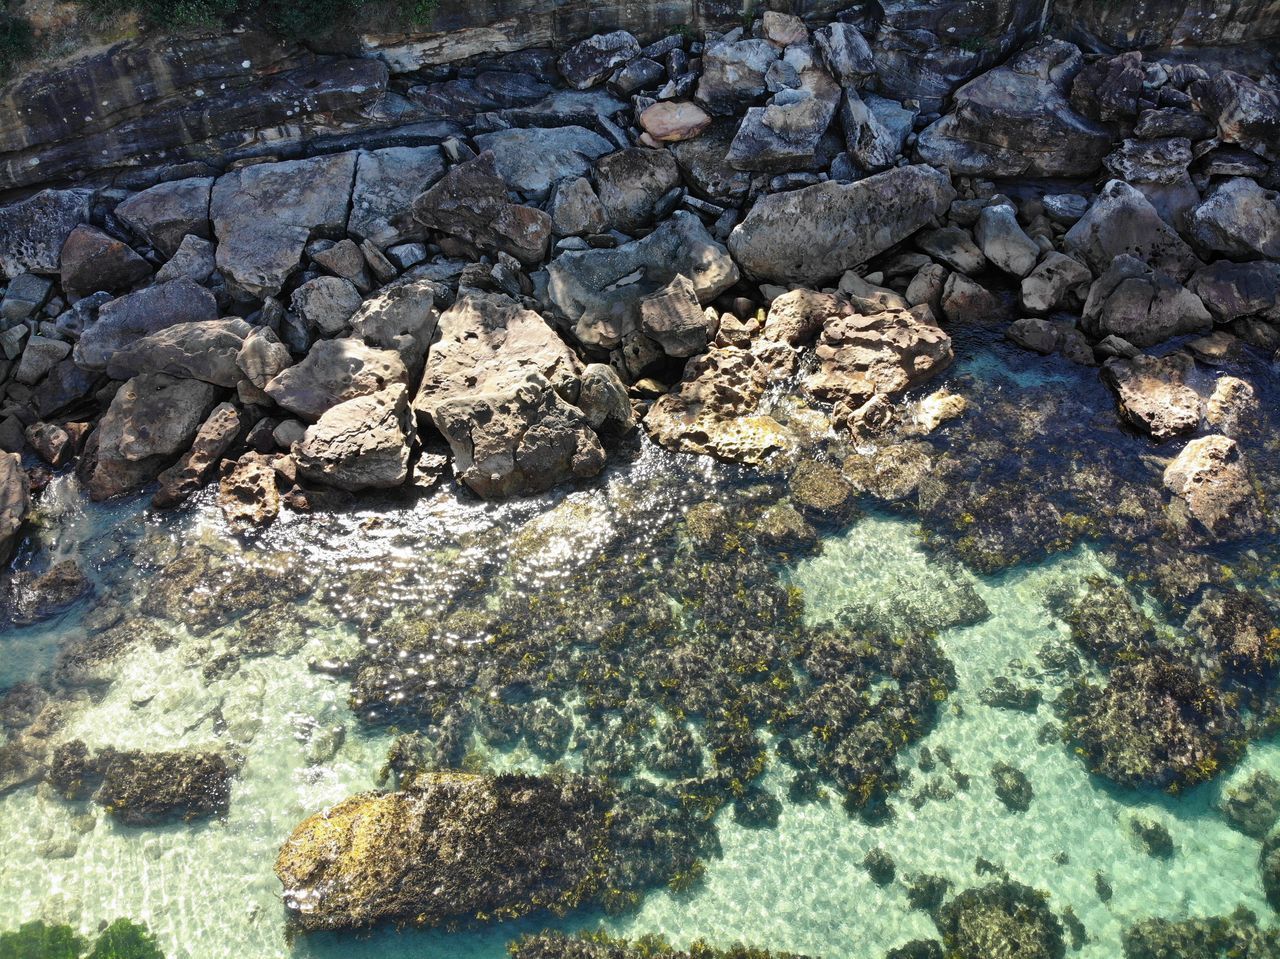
599, 945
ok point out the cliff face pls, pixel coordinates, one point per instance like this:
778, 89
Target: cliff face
174, 100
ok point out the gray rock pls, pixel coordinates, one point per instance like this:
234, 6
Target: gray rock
1142, 305
93, 261
1153, 395
41, 355
333, 372
407, 255
966, 300
195, 258
576, 210
167, 212
203, 351
15, 502
1247, 113
603, 399
630, 184
846, 53
12, 339
387, 182
1037, 335
1003, 241
598, 291
704, 162
785, 134
531, 160
673, 318
1122, 220
1066, 208
870, 140
1238, 219
733, 74
64, 385
1057, 280
592, 60
346, 259
640, 74
1163, 161
326, 304
361, 443
1173, 122
1232, 291
25, 295
400, 317
33, 231
152, 419
264, 216
819, 232
954, 246
140, 314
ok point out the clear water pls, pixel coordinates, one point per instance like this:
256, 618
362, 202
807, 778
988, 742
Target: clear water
208, 890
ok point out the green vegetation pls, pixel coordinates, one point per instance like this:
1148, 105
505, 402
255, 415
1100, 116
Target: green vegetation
16, 42
123, 939
126, 940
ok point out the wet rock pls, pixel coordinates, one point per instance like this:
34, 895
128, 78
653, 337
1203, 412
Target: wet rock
248, 493
1055, 283
265, 214
631, 182
1003, 241
879, 866
152, 419
1253, 806
93, 261
559, 945
599, 291
386, 184
361, 443
591, 61
757, 809
675, 320
1142, 305
215, 437
965, 300
38, 598
821, 491
1004, 918
204, 350
1012, 787
1238, 219
152, 789
165, 214
1123, 221
129, 318
333, 372
1210, 476
1016, 121
733, 74
34, 230
1153, 395
448, 848
1153, 837
603, 399
53, 444
669, 121
325, 304
531, 160
1108, 625
819, 232
782, 527
1003, 693
1202, 938
892, 472
470, 203
1233, 407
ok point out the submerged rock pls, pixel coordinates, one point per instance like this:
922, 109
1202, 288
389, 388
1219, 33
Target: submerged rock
1004, 919
1253, 807
152, 789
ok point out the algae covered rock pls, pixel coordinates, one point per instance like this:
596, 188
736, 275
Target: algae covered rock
559, 945
1005, 920
451, 847
150, 789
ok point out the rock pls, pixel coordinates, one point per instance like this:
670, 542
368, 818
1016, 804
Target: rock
1122, 220
1003, 241
449, 848
1016, 121
265, 214
576, 210
797, 317
387, 182
399, 317
785, 134
1004, 917
1162, 162
820, 491
874, 143
150, 310
203, 351
781, 527
1012, 787
1153, 394
603, 399
51, 442
860, 357
1058, 280
165, 214
326, 304
41, 355
631, 182
15, 502
346, 259
733, 74
599, 291
532, 160
1142, 305
248, 494
470, 203
704, 164
25, 295
62, 386
1109, 88
816, 233
1253, 806
51, 593
93, 261
967, 301
1247, 113
1232, 291
361, 443
333, 372
195, 259
152, 419
846, 53
1039, 336
1238, 219
153, 789
674, 319
262, 357
672, 121
1211, 477
1236, 630
1065, 208
954, 246
1233, 408
591, 61
33, 231
215, 437
1153, 837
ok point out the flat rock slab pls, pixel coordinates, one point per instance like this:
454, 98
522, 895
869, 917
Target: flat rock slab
150, 310
387, 183
530, 161
33, 232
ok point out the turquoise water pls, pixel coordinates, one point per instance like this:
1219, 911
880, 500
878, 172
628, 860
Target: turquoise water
207, 890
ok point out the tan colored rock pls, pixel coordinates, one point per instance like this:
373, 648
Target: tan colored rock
670, 121
249, 494
1211, 477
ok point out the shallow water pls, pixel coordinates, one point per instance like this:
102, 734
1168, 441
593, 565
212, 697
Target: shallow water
208, 890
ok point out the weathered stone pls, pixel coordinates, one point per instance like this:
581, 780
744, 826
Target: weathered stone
93, 261
387, 182
1004, 242
1178, 23
33, 231
51, 442
195, 259
333, 372
152, 419
1057, 279
24, 296
249, 492
1253, 806
1211, 478
212, 441
1122, 220
1108, 89
598, 291
1247, 113
674, 319
41, 355
152, 789
785, 134
797, 317
733, 74
1015, 121
470, 203
861, 356
166, 213
819, 232
64, 385
399, 317
346, 259
203, 351
576, 210
15, 502
671, 121
150, 310
630, 183
968, 301
1173, 122
1142, 305
264, 215
846, 53
870, 141
326, 304
603, 399
954, 246
1040, 336
1239, 219
704, 163
1153, 395
1232, 408
361, 443
590, 61
1235, 290
262, 357
1162, 162
532, 160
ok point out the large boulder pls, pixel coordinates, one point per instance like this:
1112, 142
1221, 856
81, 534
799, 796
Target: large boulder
15, 502
1247, 113
203, 351
33, 232
1239, 219
1153, 395
599, 291
1142, 305
152, 419
1003, 241
1016, 121
166, 213
733, 74
449, 848
630, 183
264, 215
333, 372
127, 319
362, 443
531, 160
1210, 476
1122, 220
93, 261
817, 233
470, 203
590, 61
1234, 291
387, 182
400, 317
